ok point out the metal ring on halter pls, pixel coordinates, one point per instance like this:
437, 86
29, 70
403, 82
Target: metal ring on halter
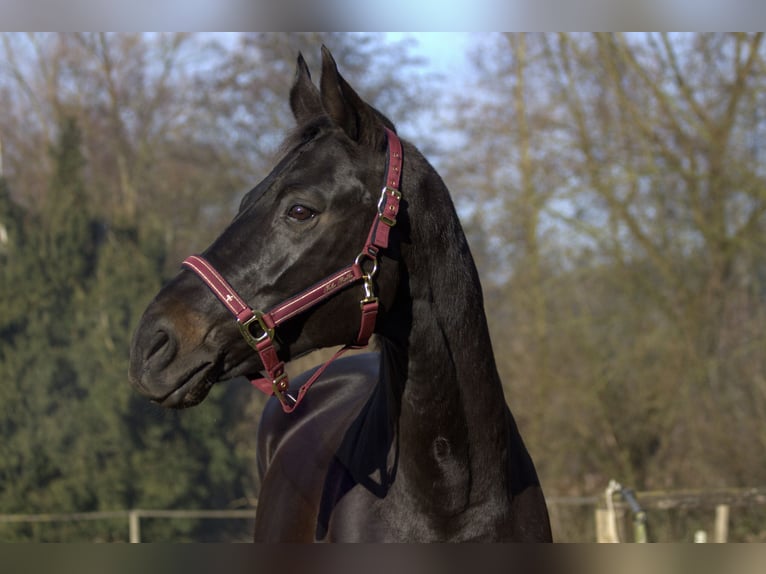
359, 260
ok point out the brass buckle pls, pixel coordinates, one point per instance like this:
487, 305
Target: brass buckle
266, 332
382, 205
280, 388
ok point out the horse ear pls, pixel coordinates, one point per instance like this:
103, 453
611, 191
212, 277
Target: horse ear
357, 118
305, 100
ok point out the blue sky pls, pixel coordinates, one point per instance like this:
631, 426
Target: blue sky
476, 15
445, 50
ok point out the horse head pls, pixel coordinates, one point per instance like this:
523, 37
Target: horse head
308, 218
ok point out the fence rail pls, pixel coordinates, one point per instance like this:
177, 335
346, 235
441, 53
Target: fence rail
133, 517
717, 500
685, 499
610, 516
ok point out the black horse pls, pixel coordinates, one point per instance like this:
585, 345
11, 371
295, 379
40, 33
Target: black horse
413, 443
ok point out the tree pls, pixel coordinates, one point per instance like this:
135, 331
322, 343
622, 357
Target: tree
48, 260
617, 181
662, 153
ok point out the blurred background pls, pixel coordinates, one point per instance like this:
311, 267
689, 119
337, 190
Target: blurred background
612, 187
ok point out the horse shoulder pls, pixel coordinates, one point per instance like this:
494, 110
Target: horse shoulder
294, 450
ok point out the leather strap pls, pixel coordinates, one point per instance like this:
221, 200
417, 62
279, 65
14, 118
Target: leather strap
388, 206
394, 173
220, 287
369, 315
288, 408
315, 294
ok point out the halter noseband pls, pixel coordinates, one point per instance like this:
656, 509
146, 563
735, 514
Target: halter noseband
259, 328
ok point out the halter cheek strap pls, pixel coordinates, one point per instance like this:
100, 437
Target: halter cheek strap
259, 328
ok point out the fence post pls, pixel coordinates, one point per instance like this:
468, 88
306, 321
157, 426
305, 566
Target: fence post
721, 532
607, 518
135, 526
605, 525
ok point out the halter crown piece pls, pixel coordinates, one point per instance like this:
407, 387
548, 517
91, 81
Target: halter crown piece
259, 328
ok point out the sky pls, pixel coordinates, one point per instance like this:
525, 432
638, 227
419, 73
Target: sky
351, 15
444, 50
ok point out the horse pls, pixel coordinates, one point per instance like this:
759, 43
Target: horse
413, 442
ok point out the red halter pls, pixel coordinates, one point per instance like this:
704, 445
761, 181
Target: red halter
258, 328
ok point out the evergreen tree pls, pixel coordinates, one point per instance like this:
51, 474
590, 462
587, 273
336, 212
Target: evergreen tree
76, 437
11, 262
45, 271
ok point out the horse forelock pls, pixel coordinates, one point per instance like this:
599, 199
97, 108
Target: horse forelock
312, 128
304, 133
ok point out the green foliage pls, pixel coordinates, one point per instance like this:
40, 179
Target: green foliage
75, 436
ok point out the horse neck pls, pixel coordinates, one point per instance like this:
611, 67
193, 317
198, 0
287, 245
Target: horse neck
450, 399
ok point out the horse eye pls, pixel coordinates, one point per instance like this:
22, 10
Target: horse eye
300, 213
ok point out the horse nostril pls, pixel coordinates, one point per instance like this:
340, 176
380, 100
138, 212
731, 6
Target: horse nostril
160, 340
162, 348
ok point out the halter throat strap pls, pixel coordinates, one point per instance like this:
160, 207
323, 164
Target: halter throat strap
259, 328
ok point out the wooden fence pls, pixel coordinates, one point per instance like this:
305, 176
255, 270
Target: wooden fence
722, 505
612, 520
132, 517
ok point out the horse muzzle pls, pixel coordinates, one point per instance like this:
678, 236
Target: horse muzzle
169, 362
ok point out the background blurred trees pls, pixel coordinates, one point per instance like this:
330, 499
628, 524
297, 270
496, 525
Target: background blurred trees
611, 185
617, 181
